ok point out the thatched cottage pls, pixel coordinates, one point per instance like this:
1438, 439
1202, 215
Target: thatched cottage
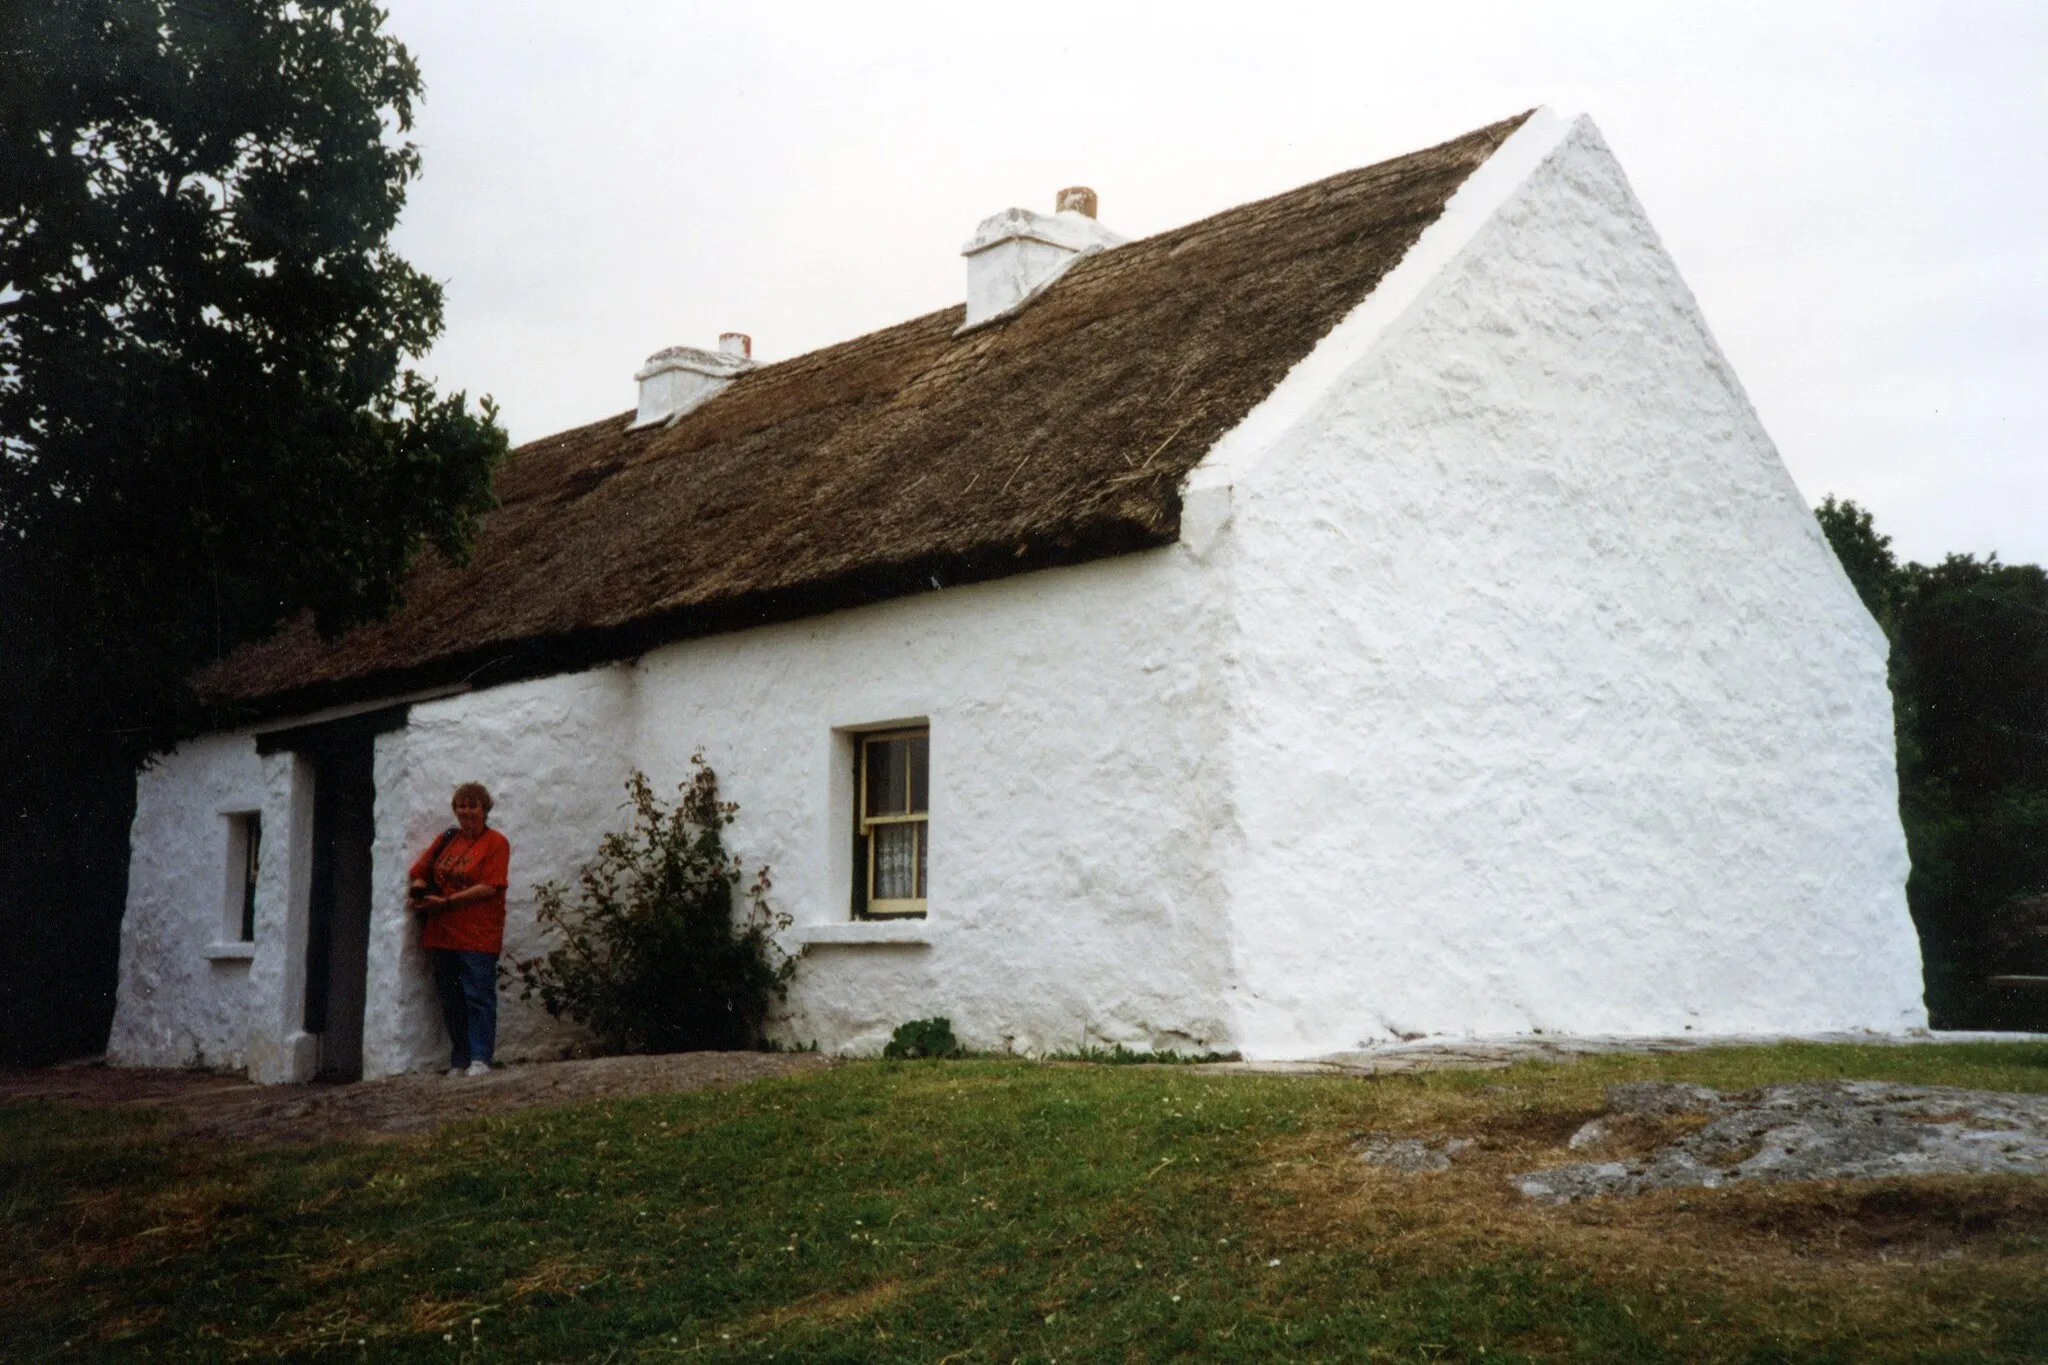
1371, 612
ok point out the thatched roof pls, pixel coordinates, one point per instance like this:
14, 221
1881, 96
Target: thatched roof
890, 464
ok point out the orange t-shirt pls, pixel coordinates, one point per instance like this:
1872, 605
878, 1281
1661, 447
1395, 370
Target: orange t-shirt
475, 926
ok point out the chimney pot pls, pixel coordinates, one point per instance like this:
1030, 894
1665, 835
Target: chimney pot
737, 344
1075, 199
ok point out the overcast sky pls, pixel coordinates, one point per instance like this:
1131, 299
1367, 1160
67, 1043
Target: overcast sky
1857, 193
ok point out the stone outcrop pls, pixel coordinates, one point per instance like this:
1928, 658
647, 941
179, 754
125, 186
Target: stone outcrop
1806, 1130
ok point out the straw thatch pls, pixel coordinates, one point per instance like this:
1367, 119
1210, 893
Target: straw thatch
892, 464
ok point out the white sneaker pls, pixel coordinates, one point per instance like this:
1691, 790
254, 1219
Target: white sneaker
479, 1069
457, 1071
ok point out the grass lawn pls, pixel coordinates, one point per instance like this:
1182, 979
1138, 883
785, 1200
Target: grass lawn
1004, 1210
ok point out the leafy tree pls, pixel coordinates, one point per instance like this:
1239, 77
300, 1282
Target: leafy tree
651, 957
1970, 679
208, 423
1866, 556
1969, 675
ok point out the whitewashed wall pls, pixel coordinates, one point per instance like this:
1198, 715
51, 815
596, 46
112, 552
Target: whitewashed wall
1077, 786
553, 754
185, 991
1553, 709
1075, 776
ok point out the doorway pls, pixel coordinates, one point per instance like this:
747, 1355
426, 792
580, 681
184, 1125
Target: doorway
342, 754
338, 919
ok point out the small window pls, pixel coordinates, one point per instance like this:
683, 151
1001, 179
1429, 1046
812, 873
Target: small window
893, 828
245, 851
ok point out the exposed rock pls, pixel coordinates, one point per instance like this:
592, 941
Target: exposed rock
1631, 1102
1663, 1097
1413, 1155
1591, 1134
1810, 1130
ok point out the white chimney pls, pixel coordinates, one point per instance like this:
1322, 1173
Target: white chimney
682, 378
1018, 252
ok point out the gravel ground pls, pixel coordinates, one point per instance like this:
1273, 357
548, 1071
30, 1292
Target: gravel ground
227, 1108
1495, 1054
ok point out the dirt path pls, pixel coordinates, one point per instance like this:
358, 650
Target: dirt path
228, 1108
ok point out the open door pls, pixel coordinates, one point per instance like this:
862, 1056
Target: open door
338, 923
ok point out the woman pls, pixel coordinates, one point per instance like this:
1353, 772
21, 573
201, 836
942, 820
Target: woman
459, 884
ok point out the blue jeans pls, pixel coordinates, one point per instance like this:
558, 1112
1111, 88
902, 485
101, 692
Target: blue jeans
468, 986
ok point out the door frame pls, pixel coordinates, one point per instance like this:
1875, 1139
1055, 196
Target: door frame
321, 750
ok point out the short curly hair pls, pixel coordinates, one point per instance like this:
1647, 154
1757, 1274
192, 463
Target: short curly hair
475, 791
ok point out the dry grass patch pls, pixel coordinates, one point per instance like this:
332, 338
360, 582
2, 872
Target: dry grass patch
1897, 1264
832, 1307
431, 1314
118, 1326
350, 1260
1944, 1217
554, 1275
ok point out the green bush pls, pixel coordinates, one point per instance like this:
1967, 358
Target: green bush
923, 1038
653, 957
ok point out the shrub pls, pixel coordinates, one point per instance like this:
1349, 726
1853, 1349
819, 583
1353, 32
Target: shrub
652, 956
923, 1038
1119, 1055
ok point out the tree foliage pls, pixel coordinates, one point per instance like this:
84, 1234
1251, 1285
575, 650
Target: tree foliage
1866, 556
208, 418
1971, 671
652, 957
1969, 674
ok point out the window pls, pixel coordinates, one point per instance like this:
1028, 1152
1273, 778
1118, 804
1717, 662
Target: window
893, 824
245, 847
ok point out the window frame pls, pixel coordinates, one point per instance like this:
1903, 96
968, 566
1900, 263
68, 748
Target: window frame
867, 904
244, 865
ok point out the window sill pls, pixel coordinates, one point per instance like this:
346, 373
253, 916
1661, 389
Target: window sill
230, 952
863, 931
